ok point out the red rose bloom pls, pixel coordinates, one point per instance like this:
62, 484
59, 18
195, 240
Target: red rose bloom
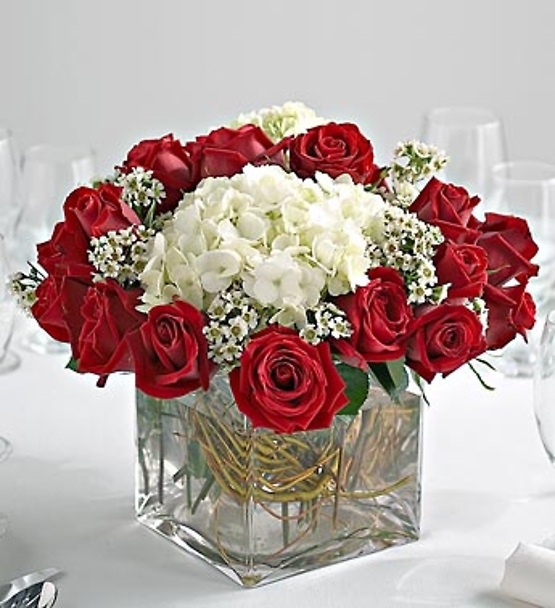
65, 252
169, 162
463, 267
224, 152
87, 212
170, 351
286, 384
95, 211
443, 338
511, 310
379, 315
48, 310
109, 314
334, 149
509, 246
449, 208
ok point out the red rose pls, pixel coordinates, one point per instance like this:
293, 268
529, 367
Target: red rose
59, 298
511, 310
87, 212
449, 208
170, 351
463, 267
444, 337
95, 211
509, 246
286, 384
169, 162
109, 315
65, 252
224, 152
379, 315
334, 149
48, 310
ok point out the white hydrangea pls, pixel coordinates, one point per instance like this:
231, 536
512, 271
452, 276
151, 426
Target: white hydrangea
287, 242
278, 122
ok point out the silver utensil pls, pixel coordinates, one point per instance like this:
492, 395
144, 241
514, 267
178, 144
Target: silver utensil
41, 595
32, 590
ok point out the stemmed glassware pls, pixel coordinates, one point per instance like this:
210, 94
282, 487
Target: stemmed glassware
49, 174
10, 207
544, 386
9, 360
526, 188
10, 199
474, 140
5, 451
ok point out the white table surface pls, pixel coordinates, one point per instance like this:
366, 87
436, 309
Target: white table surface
68, 492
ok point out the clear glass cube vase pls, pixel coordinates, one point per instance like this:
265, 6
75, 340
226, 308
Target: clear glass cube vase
261, 506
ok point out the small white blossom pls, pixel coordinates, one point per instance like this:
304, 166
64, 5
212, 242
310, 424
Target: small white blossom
413, 162
121, 255
140, 190
232, 316
283, 121
310, 334
23, 288
478, 306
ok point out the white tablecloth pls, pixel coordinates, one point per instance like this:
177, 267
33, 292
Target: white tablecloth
68, 492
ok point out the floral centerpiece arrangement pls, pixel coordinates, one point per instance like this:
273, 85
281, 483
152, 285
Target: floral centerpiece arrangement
274, 248
277, 253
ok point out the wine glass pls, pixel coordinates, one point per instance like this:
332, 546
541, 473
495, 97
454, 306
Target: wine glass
474, 140
5, 451
526, 188
10, 199
49, 174
544, 386
10, 207
9, 360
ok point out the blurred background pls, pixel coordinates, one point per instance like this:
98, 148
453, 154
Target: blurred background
107, 73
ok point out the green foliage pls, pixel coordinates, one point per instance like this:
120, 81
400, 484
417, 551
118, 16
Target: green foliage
357, 382
391, 376
73, 365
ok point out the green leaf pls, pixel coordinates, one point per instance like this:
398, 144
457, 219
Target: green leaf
420, 384
73, 365
487, 364
480, 379
392, 376
398, 373
356, 389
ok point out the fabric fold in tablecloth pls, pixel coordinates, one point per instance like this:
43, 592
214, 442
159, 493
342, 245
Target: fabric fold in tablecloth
530, 574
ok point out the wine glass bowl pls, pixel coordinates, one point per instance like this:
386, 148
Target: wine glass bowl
526, 188
10, 201
474, 140
49, 174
